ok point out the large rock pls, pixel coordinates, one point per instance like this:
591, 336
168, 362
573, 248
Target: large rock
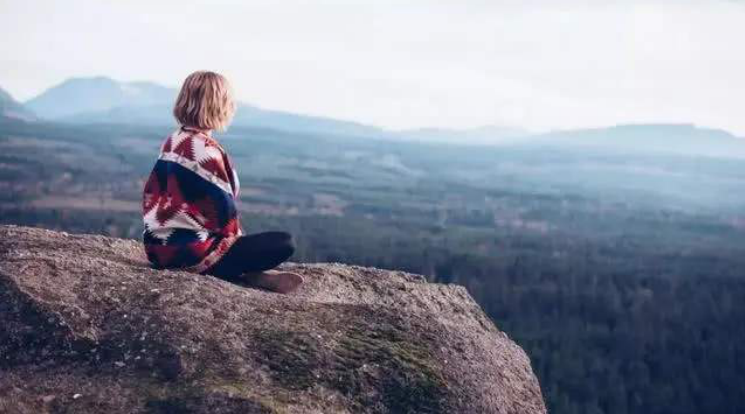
87, 327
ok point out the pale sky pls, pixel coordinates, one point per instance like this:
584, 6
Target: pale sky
538, 64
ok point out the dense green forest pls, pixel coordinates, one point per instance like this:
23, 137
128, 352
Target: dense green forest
621, 274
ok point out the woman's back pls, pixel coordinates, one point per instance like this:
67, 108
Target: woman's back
189, 203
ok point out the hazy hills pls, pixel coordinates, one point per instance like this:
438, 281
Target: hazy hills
10, 108
76, 97
104, 100
101, 100
678, 139
484, 135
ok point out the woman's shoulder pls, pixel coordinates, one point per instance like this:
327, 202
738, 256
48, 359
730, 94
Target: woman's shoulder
200, 153
189, 140
204, 137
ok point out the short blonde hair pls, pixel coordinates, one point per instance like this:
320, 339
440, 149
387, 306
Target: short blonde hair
205, 102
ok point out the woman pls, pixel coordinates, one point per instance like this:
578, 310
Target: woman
191, 222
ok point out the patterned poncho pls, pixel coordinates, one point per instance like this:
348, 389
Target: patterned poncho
189, 203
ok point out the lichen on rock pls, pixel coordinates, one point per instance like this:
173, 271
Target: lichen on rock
87, 326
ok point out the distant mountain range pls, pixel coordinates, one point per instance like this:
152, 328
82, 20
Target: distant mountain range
484, 135
104, 100
81, 97
10, 108
681, 139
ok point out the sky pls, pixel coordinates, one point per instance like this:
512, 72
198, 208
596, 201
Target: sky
535, 64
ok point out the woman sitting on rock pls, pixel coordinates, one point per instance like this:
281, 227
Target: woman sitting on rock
191, 221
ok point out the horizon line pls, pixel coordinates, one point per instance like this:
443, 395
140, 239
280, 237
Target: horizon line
528, 131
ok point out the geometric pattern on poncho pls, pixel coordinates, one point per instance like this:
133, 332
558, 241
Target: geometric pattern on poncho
188, 203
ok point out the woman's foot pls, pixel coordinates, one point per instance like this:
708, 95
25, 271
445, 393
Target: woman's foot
275, 280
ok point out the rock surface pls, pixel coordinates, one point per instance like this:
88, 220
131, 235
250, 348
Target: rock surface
86, 327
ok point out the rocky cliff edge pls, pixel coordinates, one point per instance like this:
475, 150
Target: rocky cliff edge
86, 327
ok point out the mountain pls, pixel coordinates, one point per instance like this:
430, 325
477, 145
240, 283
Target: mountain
88, 326
485, 135
678, 139
252, 116
104, 100
674, 139
10, 108
78, 96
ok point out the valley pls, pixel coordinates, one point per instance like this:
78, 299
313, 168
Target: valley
622, 274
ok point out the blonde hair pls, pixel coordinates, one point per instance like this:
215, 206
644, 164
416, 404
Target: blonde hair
205, 102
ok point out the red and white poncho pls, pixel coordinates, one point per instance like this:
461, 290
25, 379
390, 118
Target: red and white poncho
189, 203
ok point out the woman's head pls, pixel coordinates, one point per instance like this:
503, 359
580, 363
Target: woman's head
205, 102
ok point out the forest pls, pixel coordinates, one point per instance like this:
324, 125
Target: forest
622, 274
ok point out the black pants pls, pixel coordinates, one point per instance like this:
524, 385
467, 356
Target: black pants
254, 253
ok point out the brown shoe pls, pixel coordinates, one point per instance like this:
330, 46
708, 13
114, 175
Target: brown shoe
277, 281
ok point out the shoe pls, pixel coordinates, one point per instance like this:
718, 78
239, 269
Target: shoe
277, 281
